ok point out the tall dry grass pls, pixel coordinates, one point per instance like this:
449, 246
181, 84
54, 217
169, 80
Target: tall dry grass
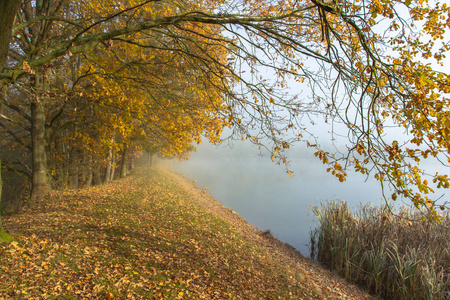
390, 255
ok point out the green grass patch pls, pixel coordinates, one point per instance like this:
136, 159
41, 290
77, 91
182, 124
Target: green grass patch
4, 237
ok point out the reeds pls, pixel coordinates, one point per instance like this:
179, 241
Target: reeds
390, 255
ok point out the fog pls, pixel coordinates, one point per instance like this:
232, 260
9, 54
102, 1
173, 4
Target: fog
261, 192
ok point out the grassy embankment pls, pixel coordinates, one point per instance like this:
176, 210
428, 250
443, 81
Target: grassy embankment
150, 236
391, 256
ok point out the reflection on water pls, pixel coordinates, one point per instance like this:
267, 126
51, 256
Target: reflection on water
262, 193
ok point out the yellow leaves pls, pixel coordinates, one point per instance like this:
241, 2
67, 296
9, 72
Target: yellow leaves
394, 151
45, 266
14, 245
446, 121
109, 295
90, 250
341, 177
164, 108
442, 181
360, 148
397, 61
359, 168
165, 85
376, 8
359, 65
322, 155
379, 177
26, 67
382, 81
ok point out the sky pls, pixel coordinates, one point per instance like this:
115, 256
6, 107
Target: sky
243, 180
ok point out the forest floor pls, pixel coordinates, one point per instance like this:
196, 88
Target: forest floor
152, 235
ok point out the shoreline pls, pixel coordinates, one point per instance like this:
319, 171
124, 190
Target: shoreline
153, 234
327, 279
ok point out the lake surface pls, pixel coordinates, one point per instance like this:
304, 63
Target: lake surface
261, 192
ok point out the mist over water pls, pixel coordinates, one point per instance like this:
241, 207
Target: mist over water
261, 192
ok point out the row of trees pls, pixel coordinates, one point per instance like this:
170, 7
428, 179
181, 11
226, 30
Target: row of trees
87, 83
72, 120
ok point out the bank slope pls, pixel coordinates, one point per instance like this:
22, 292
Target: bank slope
151, 235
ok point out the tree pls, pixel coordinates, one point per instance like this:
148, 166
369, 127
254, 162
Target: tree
147, 96
8, 9
52, 97
365, 65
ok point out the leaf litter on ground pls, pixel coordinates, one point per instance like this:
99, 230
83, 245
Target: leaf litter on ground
152, 235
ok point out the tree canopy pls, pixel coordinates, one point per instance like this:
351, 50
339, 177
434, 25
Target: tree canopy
119, 74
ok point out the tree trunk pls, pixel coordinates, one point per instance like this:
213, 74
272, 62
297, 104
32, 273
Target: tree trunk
74, 170
113, 165
39, 181
107, 177
132, 165
97, 177
65, 167
3, 235
8, 11
90, 171
124, 165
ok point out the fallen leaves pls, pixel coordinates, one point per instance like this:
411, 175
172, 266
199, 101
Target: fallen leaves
141, 237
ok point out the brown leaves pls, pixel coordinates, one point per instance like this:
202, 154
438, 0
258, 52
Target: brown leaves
145, 237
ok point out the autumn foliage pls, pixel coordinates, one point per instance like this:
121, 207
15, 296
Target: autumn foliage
89, 83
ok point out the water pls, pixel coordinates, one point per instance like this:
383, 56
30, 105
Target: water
261, 192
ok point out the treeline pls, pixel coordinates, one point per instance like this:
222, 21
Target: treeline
81, 118
86, 84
